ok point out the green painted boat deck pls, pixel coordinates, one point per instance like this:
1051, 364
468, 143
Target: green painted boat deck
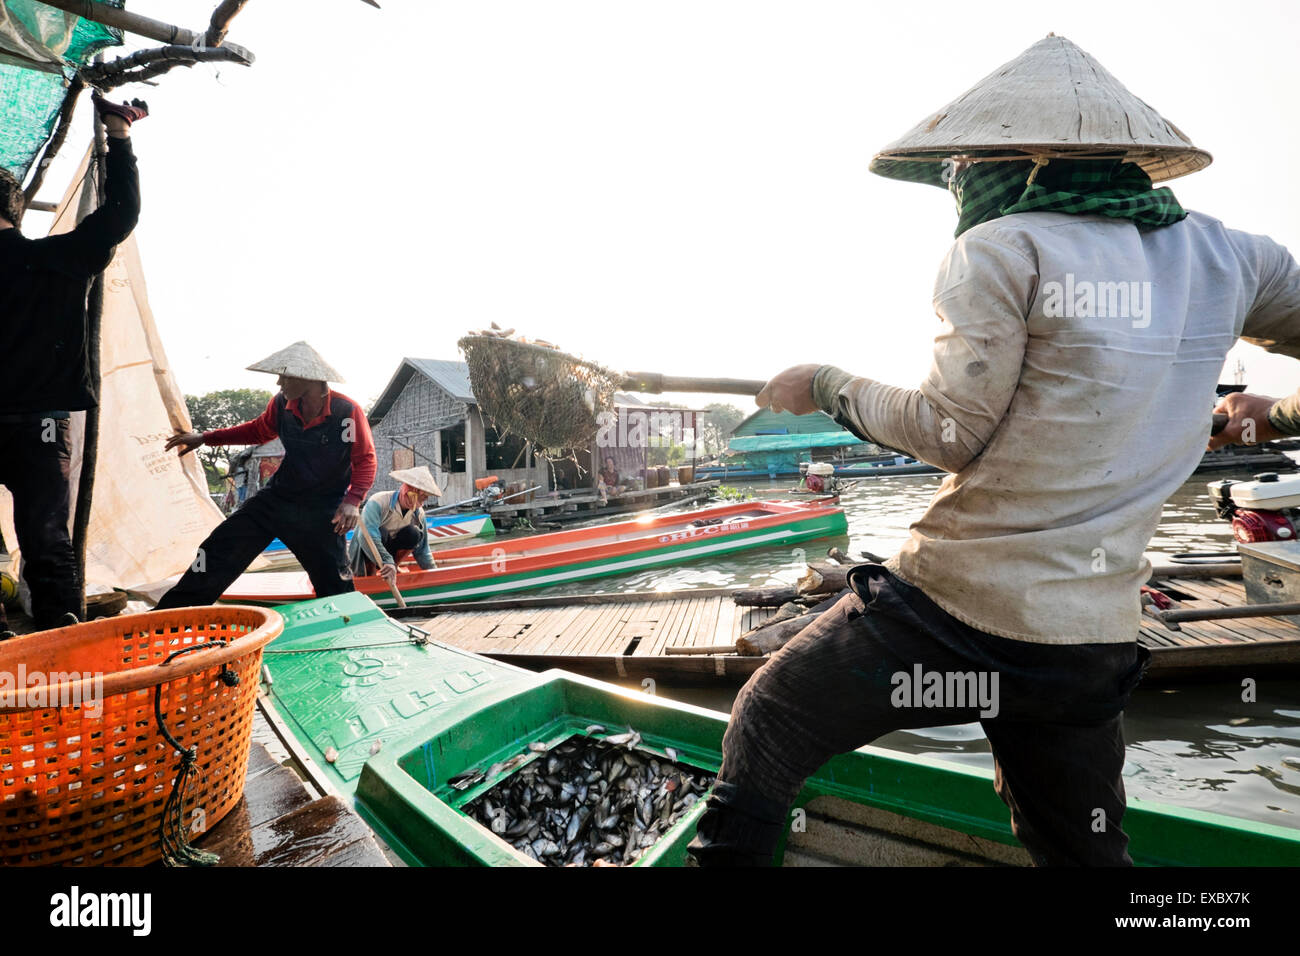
402, 716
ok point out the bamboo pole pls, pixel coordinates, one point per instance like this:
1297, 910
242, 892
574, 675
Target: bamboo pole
56, 140
225, 11
90, 432
140, 25
146, 64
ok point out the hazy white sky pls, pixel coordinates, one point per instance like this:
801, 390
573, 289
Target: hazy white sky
670, 186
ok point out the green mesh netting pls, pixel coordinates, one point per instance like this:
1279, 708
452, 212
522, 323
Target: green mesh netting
40, 48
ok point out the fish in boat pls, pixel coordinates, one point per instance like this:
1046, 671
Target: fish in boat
443, 714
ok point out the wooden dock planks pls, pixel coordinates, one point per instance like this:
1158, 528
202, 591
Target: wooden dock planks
617, 635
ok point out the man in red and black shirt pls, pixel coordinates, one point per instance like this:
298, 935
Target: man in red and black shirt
314, 498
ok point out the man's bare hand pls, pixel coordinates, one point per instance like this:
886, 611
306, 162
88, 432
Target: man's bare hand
791, 391
389, 573
345, 518
185, 441
1248, 422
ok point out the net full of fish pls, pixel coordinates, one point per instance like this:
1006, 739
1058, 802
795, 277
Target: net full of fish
589, 802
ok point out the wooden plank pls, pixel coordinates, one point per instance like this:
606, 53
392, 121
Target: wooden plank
706, 627
610, 617
560, 626
1156, 636
557, 623
427, 612
603, 640
668, 628
650, 624
686, 634
728, 621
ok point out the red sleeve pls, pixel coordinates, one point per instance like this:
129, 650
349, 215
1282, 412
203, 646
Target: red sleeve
363, 459
261, 429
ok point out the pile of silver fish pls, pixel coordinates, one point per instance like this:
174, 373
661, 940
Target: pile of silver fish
586, 802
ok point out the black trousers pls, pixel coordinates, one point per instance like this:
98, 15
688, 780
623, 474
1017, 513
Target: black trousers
35, 463
305, 528
406, 538
1054, 726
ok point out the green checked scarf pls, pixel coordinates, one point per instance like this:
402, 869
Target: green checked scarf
1095, 187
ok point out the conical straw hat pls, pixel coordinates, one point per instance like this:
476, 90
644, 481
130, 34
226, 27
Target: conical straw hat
299, 360
1054, 100
420, 478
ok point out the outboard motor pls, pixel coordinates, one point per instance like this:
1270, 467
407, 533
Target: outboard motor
819, 477
1264, 509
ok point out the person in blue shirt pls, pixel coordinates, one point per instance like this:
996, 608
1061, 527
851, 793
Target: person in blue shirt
393, 521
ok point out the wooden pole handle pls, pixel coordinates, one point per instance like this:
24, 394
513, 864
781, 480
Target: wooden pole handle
374, 553
654, 382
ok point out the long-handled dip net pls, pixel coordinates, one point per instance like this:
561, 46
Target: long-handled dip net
553, 399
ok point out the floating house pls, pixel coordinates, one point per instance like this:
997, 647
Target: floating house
427, 415
774, 443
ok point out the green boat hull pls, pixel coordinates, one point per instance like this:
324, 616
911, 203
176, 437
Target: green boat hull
400, 719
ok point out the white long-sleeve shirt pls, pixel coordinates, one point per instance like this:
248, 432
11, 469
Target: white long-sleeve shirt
1070, 395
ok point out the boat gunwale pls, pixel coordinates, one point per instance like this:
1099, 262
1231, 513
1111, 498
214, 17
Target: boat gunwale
419, 583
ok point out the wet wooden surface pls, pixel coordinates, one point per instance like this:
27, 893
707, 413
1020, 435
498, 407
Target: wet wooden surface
279, 823
624, 636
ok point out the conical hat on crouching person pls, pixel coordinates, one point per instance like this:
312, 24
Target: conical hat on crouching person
299, 360
420, 478
1052, 101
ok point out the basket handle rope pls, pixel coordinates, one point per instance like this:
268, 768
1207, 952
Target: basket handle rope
176, 849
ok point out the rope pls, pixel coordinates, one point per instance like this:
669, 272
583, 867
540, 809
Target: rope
176, 849
419, 640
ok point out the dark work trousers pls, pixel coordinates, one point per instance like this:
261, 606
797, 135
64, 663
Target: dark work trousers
305, 527
405, 538
1056, 736
35, 463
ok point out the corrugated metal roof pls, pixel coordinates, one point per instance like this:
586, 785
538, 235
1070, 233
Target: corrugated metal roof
798, 442
767, 421
452, 377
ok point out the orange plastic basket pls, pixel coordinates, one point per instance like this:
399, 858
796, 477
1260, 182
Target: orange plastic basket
85, 783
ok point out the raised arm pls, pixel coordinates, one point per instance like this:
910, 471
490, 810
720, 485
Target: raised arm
88, 248
982, 297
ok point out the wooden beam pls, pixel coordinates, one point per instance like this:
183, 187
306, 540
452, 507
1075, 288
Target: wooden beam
55, 143
226, 11
146, 64
140, 25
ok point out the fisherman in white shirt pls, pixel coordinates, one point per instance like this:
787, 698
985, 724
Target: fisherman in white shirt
1084, 321
393, 521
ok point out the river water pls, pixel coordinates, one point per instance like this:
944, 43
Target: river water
1193, 745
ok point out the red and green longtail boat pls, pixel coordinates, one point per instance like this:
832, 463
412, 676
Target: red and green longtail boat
542, 560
